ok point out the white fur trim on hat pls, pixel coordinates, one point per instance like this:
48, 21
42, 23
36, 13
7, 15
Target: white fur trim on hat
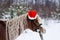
32, 18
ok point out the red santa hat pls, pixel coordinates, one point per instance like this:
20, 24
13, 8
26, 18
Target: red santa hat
32, 14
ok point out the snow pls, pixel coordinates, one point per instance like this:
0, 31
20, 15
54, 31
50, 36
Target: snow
52, 31
29, 35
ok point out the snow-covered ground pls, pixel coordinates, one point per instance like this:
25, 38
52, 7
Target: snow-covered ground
52, 31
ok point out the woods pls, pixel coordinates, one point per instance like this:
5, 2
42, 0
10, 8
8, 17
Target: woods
45, 8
